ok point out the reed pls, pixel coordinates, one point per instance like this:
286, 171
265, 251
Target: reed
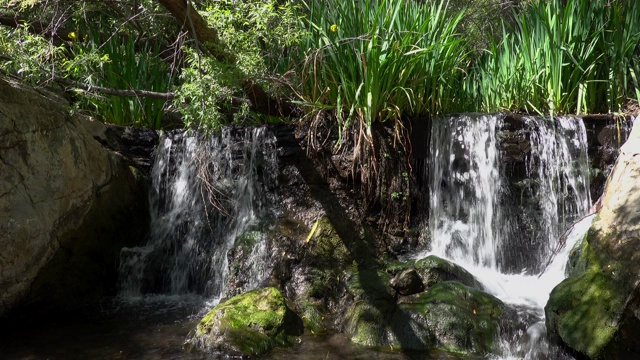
131, 67
376, 60
572, 58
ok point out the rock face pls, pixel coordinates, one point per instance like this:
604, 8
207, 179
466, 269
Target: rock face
249, 324
596, 311
67, 205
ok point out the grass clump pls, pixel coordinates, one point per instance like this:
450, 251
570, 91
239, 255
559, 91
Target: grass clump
377, 60
126, 65
578, 57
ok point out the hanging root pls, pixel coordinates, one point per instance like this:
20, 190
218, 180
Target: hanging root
376, 161
210, 193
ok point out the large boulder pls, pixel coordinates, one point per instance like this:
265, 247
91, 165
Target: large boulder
67, 205
450, 316
596, 311
248, 324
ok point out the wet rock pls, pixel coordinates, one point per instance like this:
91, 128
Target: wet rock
372, 301
67, 204
137, 145
366, 322
407, 282
449, 316
434, 269
596, 311
249, 324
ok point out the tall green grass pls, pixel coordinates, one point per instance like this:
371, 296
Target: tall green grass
572, 58
98, 56
377, 60
132, 67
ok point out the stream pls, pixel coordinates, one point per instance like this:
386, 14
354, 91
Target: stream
513, 235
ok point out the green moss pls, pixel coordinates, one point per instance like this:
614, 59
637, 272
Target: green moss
450, 316
366, 322
433, 270
370, 283
374, 301
327, 248
395, 267
312, 316
249, 324
584, 311
323, 283
249, 238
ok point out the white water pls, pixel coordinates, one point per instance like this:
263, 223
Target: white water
206, 192
476, 223
464, 208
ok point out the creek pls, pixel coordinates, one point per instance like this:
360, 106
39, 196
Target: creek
211, 199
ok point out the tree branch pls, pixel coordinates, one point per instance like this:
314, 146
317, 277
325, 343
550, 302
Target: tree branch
192, 21
235, 100
37, 28
116, 92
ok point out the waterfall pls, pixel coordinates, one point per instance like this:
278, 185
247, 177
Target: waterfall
505, 225
465, 189
206, 192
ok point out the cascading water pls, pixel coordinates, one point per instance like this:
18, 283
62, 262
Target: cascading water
206, 193
465, 189
508, 231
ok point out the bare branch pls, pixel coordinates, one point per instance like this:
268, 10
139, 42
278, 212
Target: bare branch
235, 101
116, 92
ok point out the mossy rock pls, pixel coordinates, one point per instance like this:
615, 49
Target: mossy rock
249, 324
373, 302
370, 283
366, 322
584, 312
396, 266
250, 237
591, 312
327, 248
576, 264
595, 312
434, 270
313, 315
450, 316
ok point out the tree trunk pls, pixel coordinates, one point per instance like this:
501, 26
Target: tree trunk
190, 19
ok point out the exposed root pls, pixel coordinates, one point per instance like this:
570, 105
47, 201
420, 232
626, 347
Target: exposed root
376, 161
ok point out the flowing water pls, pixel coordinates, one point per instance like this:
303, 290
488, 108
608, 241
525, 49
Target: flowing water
508, 231
206, 193
506, 226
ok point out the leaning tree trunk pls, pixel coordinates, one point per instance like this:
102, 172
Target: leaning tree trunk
208, 39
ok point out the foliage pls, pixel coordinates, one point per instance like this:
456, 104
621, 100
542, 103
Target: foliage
29, 56
376, 60
258, 33
574, 58
483, 19
120, 63
355, 62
